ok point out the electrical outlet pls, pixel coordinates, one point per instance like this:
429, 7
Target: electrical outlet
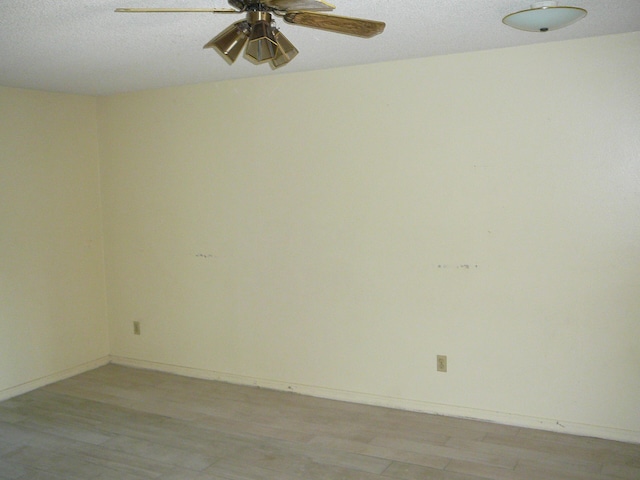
136, 327
442, 363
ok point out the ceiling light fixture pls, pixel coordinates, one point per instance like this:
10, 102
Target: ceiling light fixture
264, 42
258, 32
544, 17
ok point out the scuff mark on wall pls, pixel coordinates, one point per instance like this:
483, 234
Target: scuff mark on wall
461, 266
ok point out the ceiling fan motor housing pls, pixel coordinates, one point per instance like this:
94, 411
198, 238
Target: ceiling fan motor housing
249, 5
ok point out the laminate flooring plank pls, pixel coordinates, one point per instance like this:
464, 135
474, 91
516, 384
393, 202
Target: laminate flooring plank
25, 436
407, 471
279, 469
162, 454
66, 427
39, 475
57, 461
182, 474
554, 446
8, 415
626, 472
527, 471
421, 459
386, 453
230, 470
149, 405
285, 457
6, 448
123, 463
231, 426
495, 458
531, 456
11, 471
185, 436
98, 411
485, 472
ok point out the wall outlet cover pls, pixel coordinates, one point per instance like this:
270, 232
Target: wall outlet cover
441, 363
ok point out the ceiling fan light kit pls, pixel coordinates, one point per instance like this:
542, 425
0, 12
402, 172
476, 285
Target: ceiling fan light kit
263, 41
544, 17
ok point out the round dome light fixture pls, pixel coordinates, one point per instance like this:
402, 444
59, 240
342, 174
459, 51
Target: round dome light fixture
544, 17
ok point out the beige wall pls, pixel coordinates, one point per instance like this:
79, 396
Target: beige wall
52, 308
332, 232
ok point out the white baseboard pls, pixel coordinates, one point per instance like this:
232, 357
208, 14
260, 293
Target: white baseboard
553, 425
52, 378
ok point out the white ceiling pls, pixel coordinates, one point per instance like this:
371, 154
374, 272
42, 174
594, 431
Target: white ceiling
84, 47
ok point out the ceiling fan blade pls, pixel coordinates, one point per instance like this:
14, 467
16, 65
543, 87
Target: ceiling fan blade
176, 10
295, 5
333, 23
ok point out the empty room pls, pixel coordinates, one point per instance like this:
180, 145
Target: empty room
406, 248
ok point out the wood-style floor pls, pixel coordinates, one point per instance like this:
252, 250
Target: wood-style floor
124, 424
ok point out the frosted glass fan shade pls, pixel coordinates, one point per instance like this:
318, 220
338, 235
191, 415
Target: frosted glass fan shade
544, 17
285, 51
230, 42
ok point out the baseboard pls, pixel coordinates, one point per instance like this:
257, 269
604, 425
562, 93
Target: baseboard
630, 436
52, 378
554, 425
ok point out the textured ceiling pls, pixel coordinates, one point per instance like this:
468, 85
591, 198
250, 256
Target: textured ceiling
84, 47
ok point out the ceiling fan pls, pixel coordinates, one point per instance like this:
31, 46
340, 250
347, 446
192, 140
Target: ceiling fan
264, 41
